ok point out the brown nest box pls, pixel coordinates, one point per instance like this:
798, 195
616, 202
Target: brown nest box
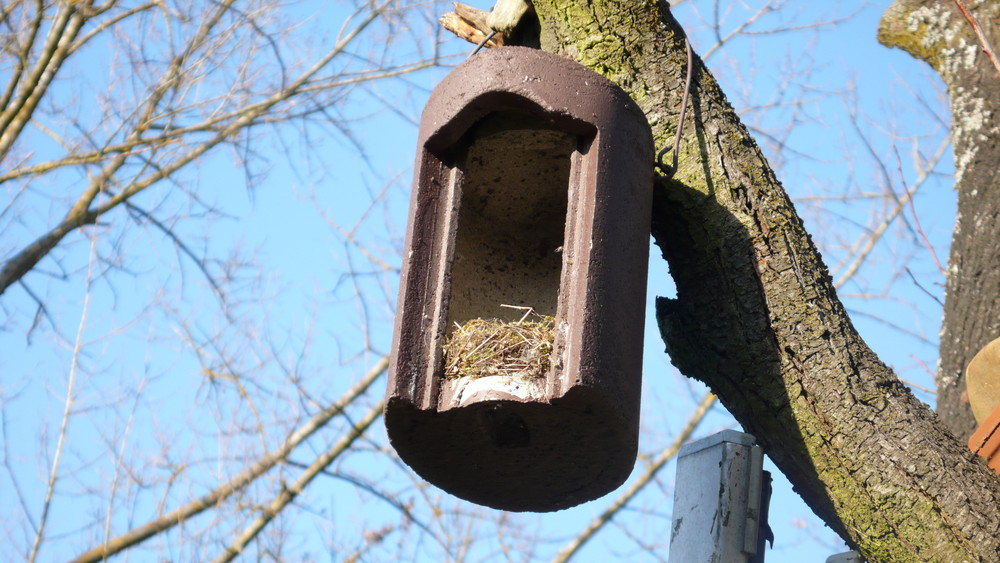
528, 242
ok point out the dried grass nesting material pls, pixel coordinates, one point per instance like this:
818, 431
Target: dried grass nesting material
484, 347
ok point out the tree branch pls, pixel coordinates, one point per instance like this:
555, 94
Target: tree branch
469, 23
238, 482
290, 492
14, 116
83, 212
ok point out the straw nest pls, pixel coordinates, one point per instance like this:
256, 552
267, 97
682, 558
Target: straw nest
484, 347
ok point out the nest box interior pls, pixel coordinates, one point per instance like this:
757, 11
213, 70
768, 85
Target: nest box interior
515, 373
509, 240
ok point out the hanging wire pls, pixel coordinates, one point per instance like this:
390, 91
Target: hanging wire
482, 43
669, 170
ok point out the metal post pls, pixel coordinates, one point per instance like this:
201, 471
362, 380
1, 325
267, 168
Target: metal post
720, 501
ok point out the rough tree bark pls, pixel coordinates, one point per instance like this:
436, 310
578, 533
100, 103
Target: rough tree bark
936, 32
756, 316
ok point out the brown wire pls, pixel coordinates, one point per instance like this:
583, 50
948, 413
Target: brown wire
670, 170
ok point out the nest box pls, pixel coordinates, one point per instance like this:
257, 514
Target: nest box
532, 195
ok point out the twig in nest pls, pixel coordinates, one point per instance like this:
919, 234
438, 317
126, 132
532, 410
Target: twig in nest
528, 311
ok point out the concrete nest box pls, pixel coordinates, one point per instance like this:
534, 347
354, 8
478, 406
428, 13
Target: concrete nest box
517, 352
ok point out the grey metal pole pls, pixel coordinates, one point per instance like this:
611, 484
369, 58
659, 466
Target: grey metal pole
720, 501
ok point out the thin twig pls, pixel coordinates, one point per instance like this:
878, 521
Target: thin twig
927, 370
922, 288
845, 272
68, 402
984, 41
119, 459
916, 218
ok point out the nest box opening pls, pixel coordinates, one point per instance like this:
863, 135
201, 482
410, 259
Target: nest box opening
516, 366
511, 224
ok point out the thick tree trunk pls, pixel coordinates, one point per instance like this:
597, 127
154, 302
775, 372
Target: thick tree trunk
757, 318
936, 32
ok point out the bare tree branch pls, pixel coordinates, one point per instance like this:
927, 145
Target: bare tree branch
289, 492
242, 479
